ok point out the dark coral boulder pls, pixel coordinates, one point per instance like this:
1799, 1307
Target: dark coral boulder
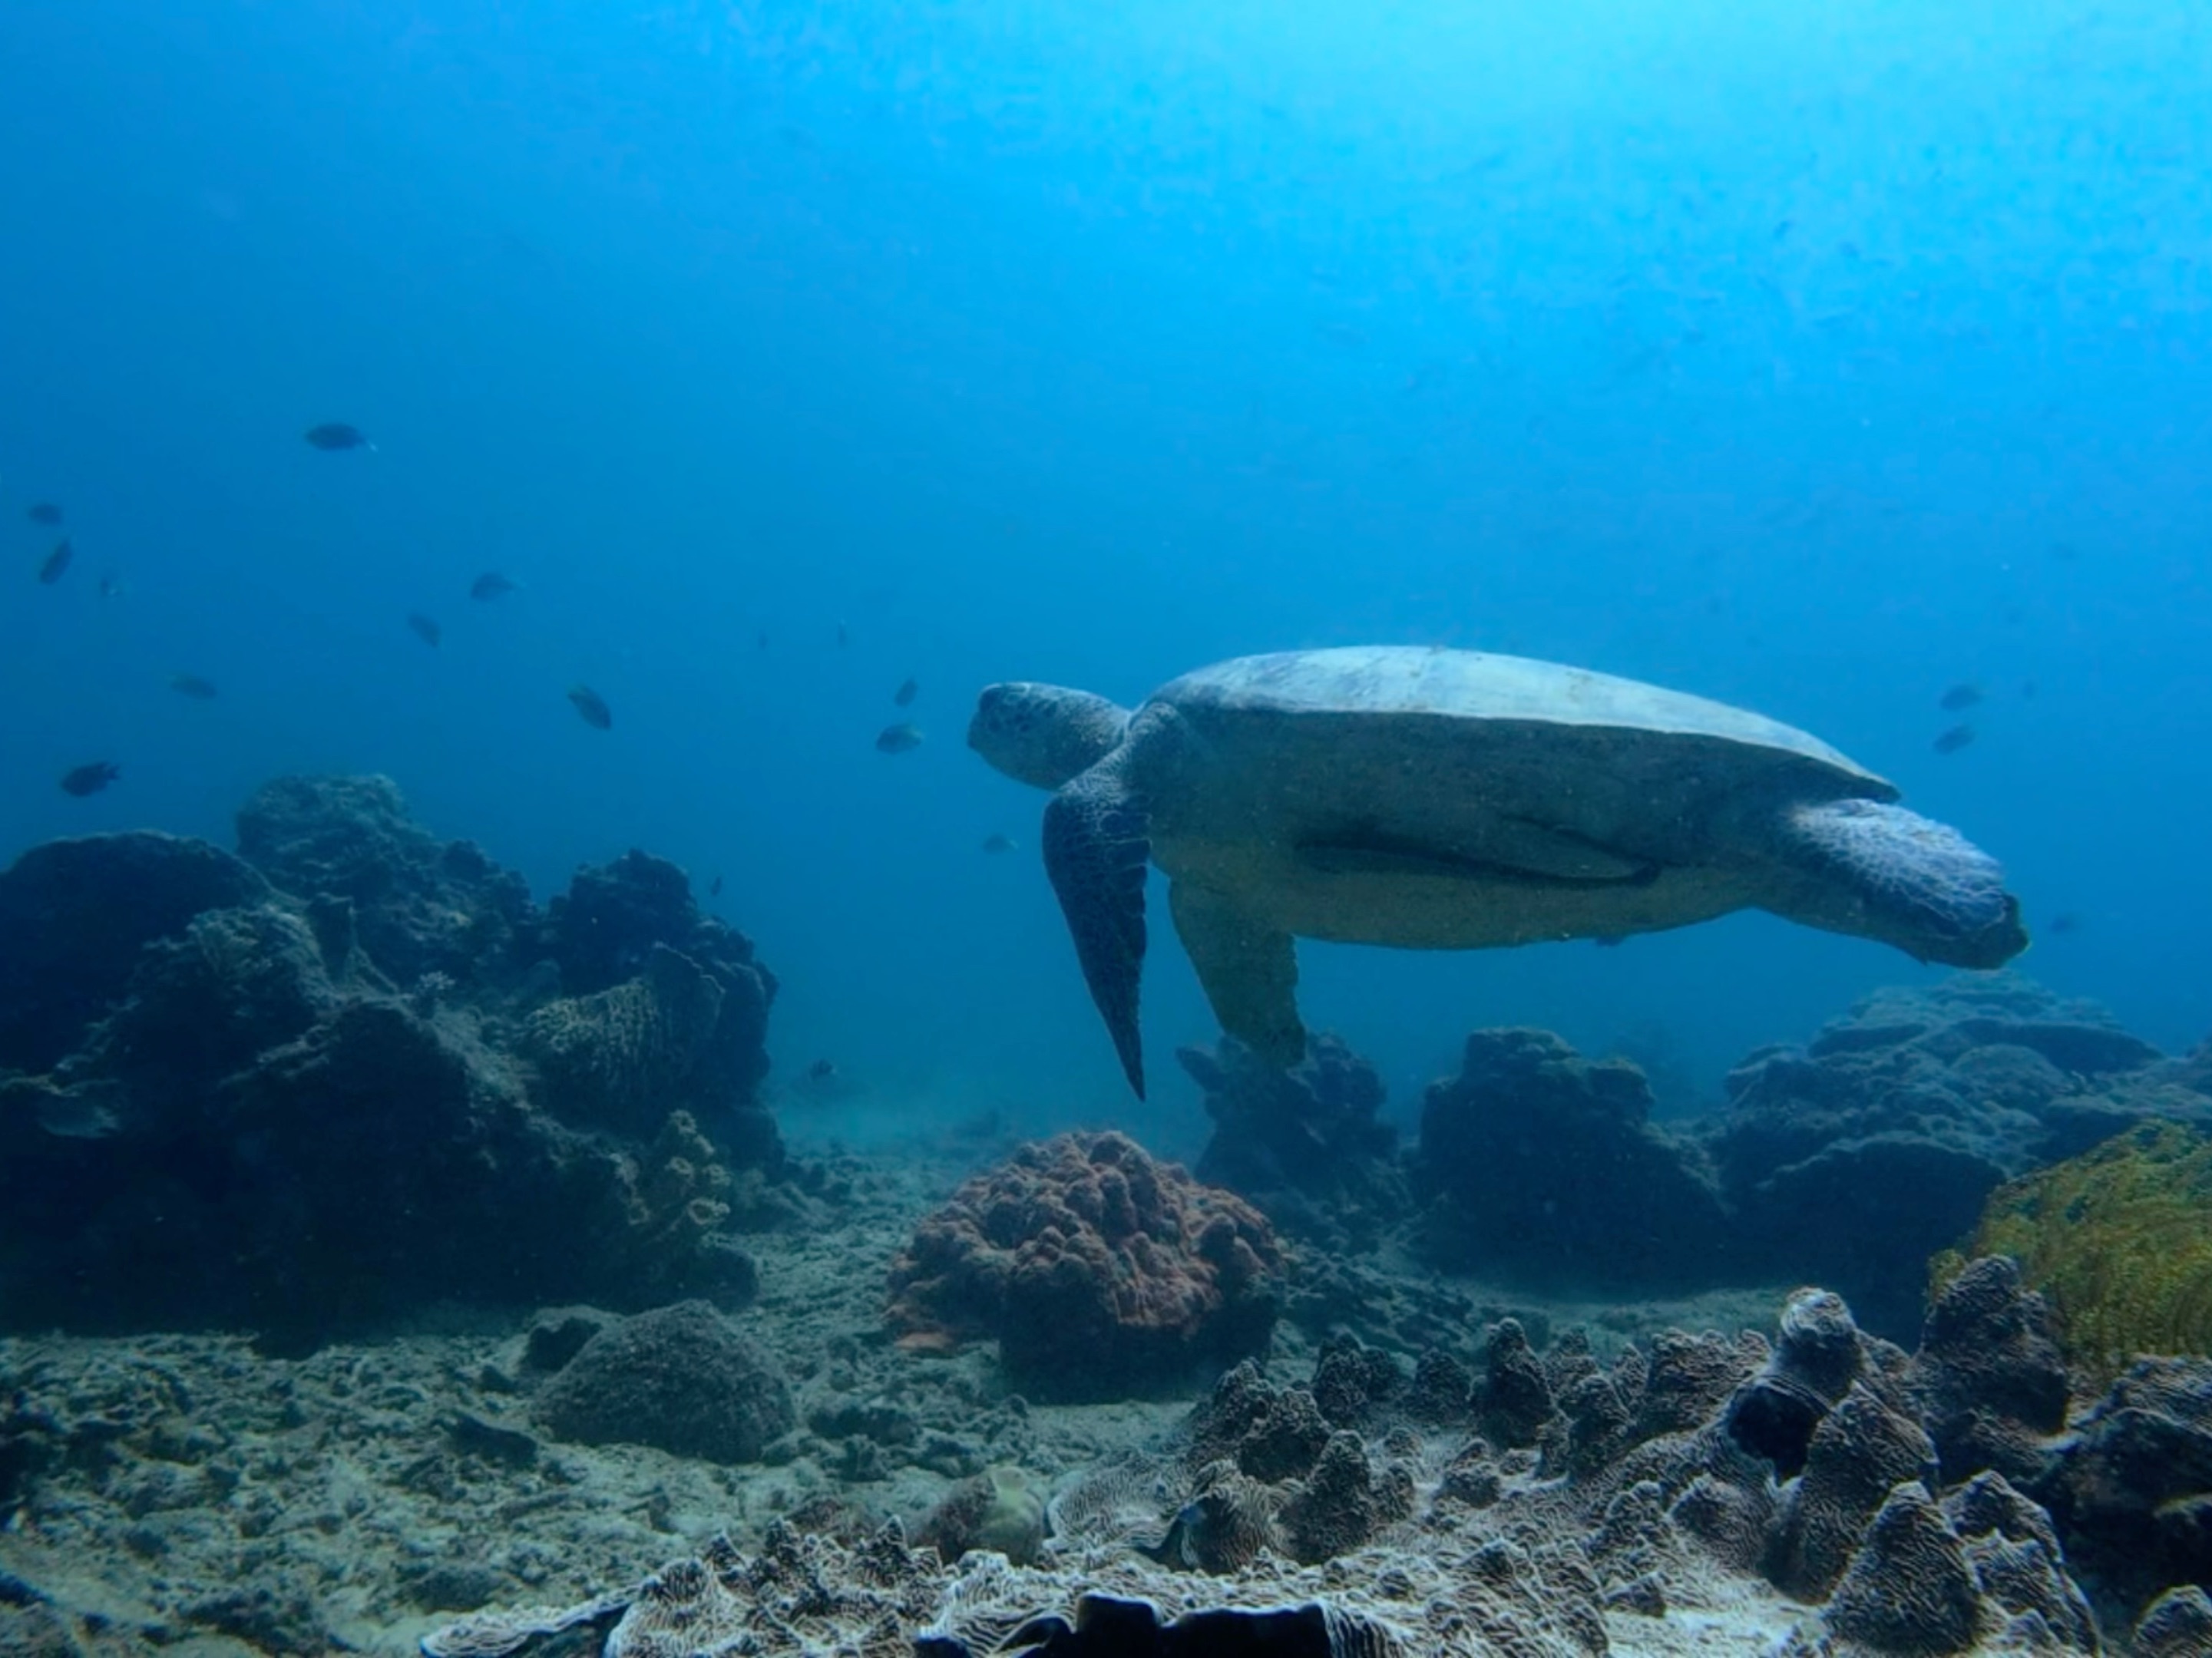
683, 1378
2132, 1489
1542, 1167
74, 914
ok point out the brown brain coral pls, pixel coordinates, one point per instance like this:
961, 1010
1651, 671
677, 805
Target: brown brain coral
1096, 1269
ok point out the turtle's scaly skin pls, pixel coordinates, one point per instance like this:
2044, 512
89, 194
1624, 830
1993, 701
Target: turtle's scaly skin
1453, 800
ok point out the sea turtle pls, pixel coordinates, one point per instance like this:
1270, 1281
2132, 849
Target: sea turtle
1444, 800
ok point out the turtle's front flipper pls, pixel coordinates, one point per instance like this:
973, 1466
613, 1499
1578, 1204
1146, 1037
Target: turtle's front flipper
1096, 843
1250, 970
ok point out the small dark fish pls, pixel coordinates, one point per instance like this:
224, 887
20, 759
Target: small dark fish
1955, 739
821, 1070
844, 635
715, 887
897, 739
336, 435
909, 689
764, 639
52, 567
1610, 940
1962, 696
44, 512
81, 780
110, 588
1782, 229
425, 628
995, 844
492, 585
192, 685
592, 707
2065, 922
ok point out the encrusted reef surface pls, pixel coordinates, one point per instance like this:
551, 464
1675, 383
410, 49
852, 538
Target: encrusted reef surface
1480, 1479
1695, 1493
1848, 1162
353, 1070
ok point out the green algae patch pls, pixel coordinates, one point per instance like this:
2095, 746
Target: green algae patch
2118, 1238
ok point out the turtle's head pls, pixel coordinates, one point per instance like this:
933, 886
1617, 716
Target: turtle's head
1044, 735
1886, 873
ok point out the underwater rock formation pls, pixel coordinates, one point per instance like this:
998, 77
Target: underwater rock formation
1305, 1144
1848, 1163
2130, 1490
293, 1096
1098, 1271
420, 905
1543, 1165
74, 914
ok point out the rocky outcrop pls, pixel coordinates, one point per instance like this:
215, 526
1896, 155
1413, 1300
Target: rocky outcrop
1306, 1145
1849, 1162
1544, 1167
326, 1089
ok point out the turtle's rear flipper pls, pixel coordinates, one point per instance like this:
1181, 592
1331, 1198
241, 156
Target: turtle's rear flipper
1249, 971
1097, 842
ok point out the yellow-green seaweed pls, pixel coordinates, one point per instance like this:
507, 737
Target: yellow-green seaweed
2118, 1238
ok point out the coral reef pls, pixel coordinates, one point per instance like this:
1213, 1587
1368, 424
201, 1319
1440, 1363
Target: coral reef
999, 1509
614, 927
1991, 1383
325, 1084
1098, 1271
619, 1058
1256, 1527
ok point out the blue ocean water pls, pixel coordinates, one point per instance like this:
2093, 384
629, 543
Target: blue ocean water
1814, 361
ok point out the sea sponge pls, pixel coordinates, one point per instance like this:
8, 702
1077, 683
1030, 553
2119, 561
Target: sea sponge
2119, 1239
1098, 1270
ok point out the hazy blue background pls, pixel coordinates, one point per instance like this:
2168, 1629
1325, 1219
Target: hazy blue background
1807, 361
